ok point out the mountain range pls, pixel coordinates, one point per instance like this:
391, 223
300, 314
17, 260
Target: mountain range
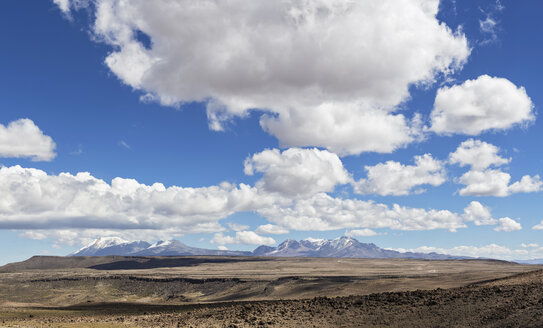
339, 247
104, 246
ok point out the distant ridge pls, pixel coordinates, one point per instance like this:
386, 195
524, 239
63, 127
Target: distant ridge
116, 246
177, 248
345, 247
342, 247
104, 246
532, 261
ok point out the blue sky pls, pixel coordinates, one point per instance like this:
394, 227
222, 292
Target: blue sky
325, 103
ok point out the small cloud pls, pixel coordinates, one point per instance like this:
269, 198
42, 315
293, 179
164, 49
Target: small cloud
297, 171
531, 245
478, 214
78, 151
148, 98
489, 26
242, 237
499, 5
222, 248
66, 6
24, 139
500, 104
271, 229
63, 5
123, 143
395, 178
508, 225
237, 227
477, 154
361, 233
489, 29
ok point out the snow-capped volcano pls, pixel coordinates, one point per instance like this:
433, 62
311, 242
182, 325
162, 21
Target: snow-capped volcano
339, 247
176, 248
169, 247
104, 242
117, 246
111, 246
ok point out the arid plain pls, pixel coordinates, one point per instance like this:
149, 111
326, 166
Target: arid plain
247, 291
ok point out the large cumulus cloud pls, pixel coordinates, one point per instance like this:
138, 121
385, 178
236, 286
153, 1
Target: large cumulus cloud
329, 73
33, 199
66, 205
324, 212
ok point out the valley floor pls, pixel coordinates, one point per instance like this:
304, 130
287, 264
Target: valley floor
371, 293
515, 302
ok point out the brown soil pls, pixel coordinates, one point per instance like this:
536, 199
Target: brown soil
492, 301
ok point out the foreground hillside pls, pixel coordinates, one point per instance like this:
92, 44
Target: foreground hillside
509, 302
181, 280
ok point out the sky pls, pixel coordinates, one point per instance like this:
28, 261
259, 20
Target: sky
411, 124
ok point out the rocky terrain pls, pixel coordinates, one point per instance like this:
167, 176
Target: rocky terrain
268, 292
510, 302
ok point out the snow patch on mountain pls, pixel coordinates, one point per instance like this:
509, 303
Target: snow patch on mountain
111, 246
161, 243
344, 246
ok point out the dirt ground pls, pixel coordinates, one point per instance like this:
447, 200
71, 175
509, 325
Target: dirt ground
457, 294
219, 279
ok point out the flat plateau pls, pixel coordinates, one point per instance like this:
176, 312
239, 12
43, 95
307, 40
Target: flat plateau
250, 291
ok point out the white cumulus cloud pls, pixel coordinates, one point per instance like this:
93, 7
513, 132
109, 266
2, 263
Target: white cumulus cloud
63, 5
496, 183
508, 225
297, 171
242, 237
329, 73
78, 208
484, 181
32, 199
237, 227
271, 229
324, 212
526, 184
361, 233
343, 128
477, 154
478, 214
22, 138
394, 178
486, 103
